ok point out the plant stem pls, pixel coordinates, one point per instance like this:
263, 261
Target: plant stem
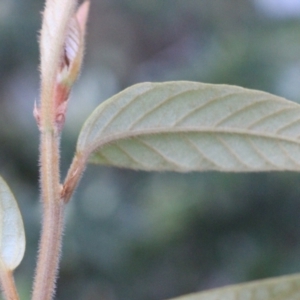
8, 284
52, 227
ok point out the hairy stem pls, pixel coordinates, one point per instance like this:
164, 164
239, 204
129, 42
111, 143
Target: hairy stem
52, 227
8, 284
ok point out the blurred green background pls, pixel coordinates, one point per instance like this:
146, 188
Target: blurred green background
136, 235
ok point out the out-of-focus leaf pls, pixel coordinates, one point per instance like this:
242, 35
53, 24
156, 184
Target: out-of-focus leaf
189, 126
12, 235
281, 288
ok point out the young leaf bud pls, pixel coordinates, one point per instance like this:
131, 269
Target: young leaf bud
70, 60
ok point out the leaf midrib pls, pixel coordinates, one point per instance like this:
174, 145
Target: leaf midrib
109, 138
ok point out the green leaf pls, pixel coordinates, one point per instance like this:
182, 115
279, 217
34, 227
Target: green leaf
189, 126
12, 235
280, 288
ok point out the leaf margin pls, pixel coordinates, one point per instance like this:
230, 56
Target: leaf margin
280, 284
12, 232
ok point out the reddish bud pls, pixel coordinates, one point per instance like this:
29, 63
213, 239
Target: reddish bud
70, 64
71, 61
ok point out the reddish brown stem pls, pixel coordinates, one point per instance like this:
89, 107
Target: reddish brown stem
8, 284
53, 207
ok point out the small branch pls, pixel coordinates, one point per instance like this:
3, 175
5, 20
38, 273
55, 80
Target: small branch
8, 284
53, 207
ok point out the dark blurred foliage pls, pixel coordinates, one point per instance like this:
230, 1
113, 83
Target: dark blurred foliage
135, 235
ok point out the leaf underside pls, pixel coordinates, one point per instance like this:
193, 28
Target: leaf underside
281, 288
189, 126
12, 235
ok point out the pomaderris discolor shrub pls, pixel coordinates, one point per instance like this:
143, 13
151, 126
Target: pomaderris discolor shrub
171, 126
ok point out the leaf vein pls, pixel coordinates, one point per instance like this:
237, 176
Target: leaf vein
201, 153
230, 150
282, 148
159, 153
270, 115
159, 105
233, 131
261, 154
135, 161
120, 110
285, 126
240, 110
203, 105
